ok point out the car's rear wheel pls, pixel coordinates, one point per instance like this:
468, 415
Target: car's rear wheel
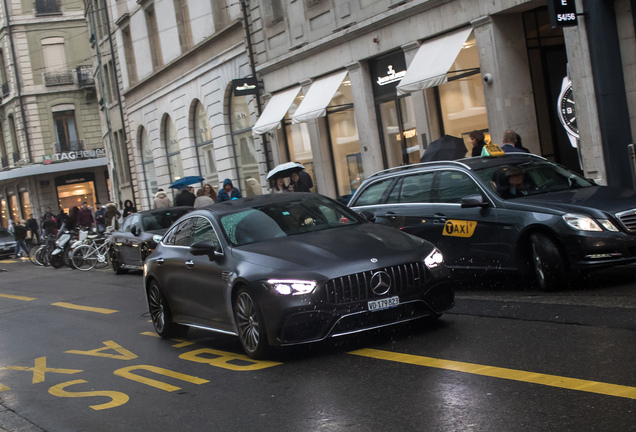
546, 262
250, 324
161, 315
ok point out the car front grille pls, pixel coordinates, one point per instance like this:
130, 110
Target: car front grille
628, 219
357, 287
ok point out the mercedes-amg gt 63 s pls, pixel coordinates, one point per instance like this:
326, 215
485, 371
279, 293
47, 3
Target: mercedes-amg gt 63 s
292, 268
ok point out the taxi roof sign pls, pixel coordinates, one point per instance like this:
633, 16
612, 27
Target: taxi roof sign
491, 149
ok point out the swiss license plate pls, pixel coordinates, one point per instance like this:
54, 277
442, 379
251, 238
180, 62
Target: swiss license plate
376, 305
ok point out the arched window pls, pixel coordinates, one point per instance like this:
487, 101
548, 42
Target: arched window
148, 164
204, 145
244, 148
173, 150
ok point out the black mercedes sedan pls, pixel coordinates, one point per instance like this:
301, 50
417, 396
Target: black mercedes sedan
285, 269
516, 213
138, 236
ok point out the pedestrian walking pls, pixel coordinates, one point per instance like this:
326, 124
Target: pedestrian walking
162, 200
477, 140
33, 226
202, 199
20, 238
85, 216
99, 217
185, 198
209, 191
128, 208
509, 139
229, 192
111, 217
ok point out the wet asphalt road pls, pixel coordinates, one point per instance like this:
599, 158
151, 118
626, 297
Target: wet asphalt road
78, 353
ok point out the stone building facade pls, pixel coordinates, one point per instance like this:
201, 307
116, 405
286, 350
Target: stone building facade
51, 150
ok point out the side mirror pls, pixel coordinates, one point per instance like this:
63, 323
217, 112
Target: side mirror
135, 230
471, 201
205, 248
368, 215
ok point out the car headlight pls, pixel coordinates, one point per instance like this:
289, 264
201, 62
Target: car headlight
607, 225
290, 286
581, 222
434, 259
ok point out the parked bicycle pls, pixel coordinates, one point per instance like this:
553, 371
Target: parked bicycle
93, 255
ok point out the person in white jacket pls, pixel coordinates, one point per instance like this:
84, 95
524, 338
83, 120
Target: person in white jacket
162, 200
203, 199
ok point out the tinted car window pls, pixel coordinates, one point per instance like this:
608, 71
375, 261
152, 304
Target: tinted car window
180, 234
454, 185
413, 189
203, 231
373, 194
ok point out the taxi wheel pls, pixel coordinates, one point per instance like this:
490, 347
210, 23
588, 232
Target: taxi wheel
250, 324
161, 315
547, 262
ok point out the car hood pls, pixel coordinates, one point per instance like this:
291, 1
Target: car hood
333, 251
591, 199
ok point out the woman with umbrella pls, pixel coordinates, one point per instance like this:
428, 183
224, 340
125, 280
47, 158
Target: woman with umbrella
278, 184
286, 170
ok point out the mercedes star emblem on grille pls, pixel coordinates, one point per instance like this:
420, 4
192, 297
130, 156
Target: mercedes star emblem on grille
380, 282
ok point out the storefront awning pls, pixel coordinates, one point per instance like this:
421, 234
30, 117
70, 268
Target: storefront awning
432, 62
41, 169
317, 99
275, 111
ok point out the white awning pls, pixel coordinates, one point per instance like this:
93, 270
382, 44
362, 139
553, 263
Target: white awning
275, 111
434, 58
317, 99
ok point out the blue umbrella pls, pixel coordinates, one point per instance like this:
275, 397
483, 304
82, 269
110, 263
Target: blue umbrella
186, 181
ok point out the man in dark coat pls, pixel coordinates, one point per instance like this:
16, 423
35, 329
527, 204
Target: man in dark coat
34, 227
185, 198
20, 238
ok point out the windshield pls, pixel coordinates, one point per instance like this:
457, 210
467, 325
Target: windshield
285, 219
530, 178
5, 233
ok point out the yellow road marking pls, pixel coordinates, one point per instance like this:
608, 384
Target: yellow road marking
40, 370
15, 297
84, 308
510, 374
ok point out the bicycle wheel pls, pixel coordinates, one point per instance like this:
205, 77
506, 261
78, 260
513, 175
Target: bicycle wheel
44, 254
33, 255
84, 257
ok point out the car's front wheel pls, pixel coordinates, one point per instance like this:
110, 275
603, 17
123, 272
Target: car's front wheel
117, 268
546, 262
250, 324
160, 313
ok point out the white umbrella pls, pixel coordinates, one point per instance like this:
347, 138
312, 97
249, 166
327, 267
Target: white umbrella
285, 170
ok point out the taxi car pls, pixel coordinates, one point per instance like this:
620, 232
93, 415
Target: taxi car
284, 269
516, 213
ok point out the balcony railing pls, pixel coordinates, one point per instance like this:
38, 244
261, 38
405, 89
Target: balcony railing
58, 78
85, 76
47, 7
63, 147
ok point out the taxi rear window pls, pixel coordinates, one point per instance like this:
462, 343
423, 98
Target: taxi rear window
372, 194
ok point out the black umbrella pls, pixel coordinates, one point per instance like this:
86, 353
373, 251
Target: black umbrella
446, 148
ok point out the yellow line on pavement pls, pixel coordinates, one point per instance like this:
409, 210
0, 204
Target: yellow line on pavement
15, 297
510, 374
84, 308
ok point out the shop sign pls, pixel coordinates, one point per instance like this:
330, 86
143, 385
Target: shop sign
562, 13
245, 86
74, 178
386, 73
74, 155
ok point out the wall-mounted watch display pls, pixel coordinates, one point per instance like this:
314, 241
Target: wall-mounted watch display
567, 111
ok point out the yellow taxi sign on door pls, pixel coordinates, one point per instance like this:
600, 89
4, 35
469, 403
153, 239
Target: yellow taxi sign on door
459, 228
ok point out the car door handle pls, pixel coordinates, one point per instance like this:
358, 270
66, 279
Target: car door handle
390, 214
189, 264
160, 261
439, 218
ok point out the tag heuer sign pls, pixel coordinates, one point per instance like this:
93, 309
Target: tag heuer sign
562, 13
245, 86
